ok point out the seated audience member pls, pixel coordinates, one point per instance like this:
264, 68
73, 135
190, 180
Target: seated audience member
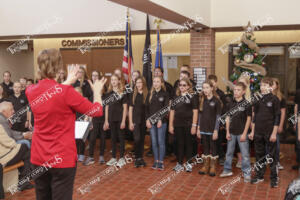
19, 137
19, 101
11, 152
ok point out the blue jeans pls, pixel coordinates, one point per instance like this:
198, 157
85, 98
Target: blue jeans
244, 147
27, 142
158, 141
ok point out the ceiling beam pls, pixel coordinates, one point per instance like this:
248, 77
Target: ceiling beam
158, 11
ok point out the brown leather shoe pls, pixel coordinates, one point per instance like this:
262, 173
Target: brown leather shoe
205, 167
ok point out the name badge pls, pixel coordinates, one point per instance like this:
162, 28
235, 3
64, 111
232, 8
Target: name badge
161, 99
22, 101
269, 104
212, 104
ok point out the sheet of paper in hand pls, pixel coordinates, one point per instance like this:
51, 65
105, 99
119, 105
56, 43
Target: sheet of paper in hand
82, 129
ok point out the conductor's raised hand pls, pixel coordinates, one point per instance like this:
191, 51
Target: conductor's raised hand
72, 74
98, 85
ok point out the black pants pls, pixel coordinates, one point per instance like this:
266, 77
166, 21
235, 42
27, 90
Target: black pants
139, 139
80, 146
261, 141
209, 145
97, 128
184, 143
116, 132
22, 155
2, 196
56, 184
220, 141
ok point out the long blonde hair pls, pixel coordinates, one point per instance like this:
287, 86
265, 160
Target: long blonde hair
120, 85
85, 76
247, 83
202, 95
163, 87
277, 91
145, 90
131, 81
188, 82
49, 63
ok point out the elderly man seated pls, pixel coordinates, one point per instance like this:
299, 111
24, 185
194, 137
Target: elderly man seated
19, 137
11, 152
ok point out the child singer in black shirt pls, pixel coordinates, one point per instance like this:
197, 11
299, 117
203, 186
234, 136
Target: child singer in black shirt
208, 126
264, 131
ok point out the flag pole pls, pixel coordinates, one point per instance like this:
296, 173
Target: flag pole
129, 43
158, 22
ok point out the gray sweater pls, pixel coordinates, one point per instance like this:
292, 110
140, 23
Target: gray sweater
16, 135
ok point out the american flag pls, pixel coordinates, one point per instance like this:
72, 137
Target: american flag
127, 66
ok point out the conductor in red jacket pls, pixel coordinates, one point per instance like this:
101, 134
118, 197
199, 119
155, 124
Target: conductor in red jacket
53, 142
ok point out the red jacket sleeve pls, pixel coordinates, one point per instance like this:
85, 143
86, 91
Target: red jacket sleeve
81, 105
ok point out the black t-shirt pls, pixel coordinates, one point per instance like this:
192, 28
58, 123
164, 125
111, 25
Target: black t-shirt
266, 114
240, 111
3, 99
20, 104
8, 88
115, 106
139, 109
282, 103
208, 116
184, 110
169, 89
102, 118
86, 89
297, 99
158, 101
222, 97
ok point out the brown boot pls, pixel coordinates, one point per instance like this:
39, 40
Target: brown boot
213, 162
205, 167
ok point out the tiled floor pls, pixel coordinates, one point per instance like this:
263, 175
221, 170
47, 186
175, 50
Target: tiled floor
132, 183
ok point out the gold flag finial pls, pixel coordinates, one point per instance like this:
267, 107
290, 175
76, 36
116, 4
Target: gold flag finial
157, 22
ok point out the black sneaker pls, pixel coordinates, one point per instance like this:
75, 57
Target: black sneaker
274, 184
295, 167
160, 166
149, 153
154, 166
142, 163
256, 180
221, 161
25, 186
137, 163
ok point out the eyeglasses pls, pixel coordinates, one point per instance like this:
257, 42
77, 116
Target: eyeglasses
182, 85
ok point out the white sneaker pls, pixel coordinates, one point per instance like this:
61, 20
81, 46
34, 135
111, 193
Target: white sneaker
111, 162
247, 178
226, 174
121, 162
280, 167
239, 164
